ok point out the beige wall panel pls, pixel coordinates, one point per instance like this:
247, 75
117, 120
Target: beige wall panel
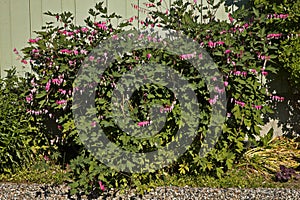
82, 8
20, 30
123, 8
54, 6
36, 16
68, 6
5, 37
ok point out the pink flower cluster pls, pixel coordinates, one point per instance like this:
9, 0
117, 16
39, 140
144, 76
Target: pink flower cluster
187, 56
213, 100
93, 124
61, 102
236, 102
144, 123
29, 98
277, 16
257, 107
101, 25
167, 108
37, 112
33, 40
220, 90
277, 98
240, 73
149, 5
75, 52
274, 35
67, 33
262, 57
212, 44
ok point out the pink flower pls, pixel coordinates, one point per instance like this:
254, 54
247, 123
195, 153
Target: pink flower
46, 158
91, 58
220, 43
66, 51
149, 56
115, 37
84, 29
29, 98
200, 56
230, 18
24, 62
274, 35
93, 124
219, 90
15, 51
149, 5
214, 100
61, 102
102, 187
237, 73
62, 91
225, 83
253, 71
83, 52
244, 74
56, 81
195, 1
35, 51
278, 98
223, 32
240, 103
144, 123
264, 73
48, 84
258, 107
75, 52
227, 51
33, 40
101, 25
211, 44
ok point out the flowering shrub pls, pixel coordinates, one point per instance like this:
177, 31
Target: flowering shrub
242, 48
55, 56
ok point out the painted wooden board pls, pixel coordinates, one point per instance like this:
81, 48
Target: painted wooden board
82, 7
124, 8
5, 36
36, 16
54, 6
20, 30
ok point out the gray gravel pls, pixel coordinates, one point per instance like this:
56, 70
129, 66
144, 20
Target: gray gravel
10, 191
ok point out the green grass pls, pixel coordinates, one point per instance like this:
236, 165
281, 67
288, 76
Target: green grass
235, 178
40, 172
241, 177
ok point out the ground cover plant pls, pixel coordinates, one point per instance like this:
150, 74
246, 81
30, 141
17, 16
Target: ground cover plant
245, 48
20, 141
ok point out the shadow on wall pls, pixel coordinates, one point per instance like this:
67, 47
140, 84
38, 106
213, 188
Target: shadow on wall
237, 3
287, 113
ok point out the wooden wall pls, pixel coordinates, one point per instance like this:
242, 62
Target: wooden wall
20, 18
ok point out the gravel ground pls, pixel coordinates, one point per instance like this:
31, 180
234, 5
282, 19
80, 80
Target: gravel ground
10, 191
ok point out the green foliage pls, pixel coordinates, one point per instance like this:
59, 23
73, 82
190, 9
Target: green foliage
283, 17
240, 46
19, 140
